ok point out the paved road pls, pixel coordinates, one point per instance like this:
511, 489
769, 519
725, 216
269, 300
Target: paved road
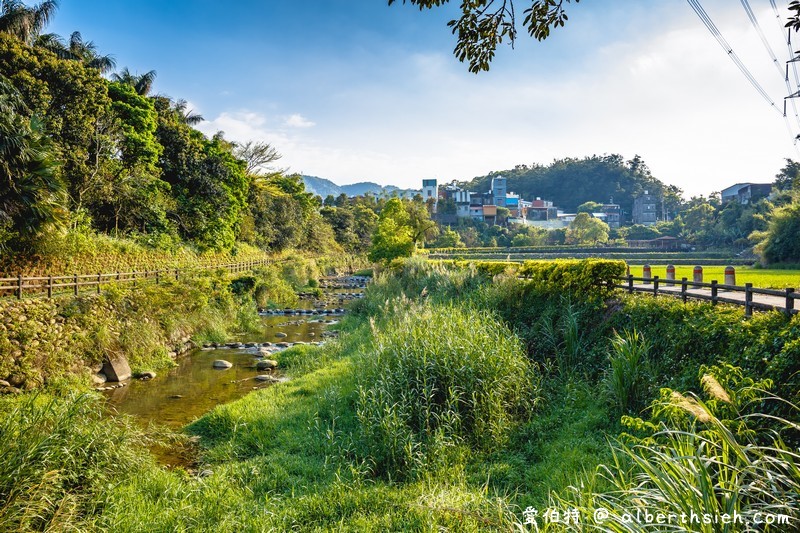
760, 301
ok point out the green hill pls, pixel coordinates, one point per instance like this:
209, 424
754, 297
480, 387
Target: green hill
570, 182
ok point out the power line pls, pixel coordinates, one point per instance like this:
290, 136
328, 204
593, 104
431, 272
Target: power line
698, 9
782, 72
757, 26
781, 28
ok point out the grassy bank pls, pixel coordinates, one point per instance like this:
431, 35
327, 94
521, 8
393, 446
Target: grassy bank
454, 399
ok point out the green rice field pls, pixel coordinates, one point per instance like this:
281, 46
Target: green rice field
759, 277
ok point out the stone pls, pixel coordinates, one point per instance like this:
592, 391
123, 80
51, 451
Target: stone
99, 378
116, 368
281, 335
222, 364
266, 377
266, 364
282, 344
147, 375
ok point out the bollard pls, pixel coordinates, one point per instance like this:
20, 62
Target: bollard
698, 274
670, 272
647, 273
730, 275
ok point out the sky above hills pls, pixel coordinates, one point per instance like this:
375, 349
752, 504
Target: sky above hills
355, 90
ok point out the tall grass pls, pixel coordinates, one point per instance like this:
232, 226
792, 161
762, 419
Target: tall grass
58, 454
437, 381
560, 329
697, 475
627, 378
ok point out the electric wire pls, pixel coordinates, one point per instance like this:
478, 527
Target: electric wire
701, 13
765, 42
781, 28
782, 72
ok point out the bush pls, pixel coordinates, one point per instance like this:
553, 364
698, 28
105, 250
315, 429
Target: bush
436, 380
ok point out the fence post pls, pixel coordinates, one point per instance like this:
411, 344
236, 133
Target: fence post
748, 299
118, 276
655, 286
683, 289
176, 274
99, 279
789, 301
133, 276
50, 286
714, 290
75, 281
730, 275
19, 286
158, 280
630, 283
698, 274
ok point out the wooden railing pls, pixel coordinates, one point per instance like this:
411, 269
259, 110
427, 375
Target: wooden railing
31, 286
748, 296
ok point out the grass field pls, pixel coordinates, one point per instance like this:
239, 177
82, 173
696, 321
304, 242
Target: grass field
759, 277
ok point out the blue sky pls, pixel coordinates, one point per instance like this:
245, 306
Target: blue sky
354, 90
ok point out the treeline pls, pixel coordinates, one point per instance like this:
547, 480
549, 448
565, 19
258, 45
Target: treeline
570, 182
84, 150
769, 225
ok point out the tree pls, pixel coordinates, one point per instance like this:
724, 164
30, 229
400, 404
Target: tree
31, 195
393, 237
258, 156
72, 102
76, 50
590, 207
23, 22
188, 116
142, 83
486, 23
781, 243
789, 176
448, 238
587, 230
419, 221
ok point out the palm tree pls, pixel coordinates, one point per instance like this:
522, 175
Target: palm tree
76, 50
23, 22
142, 83
187, 116
31, 195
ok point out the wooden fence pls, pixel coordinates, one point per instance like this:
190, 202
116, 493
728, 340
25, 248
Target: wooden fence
31, 286
748, 296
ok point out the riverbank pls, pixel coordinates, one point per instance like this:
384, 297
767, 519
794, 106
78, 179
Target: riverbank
455, 400
65, 341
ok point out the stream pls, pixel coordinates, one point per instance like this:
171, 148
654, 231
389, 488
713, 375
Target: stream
177, 396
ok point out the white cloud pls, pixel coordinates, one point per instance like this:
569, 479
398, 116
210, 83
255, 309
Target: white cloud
298, 121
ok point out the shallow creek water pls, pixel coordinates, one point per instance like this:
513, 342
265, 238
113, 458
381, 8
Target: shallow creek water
182, 394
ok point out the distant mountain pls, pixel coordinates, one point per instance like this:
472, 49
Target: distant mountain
324, 187
364, 187
321, 186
